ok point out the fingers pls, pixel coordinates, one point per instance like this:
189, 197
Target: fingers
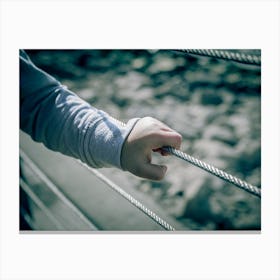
147, 135
161, 151
158, 134
153, 172
167, 138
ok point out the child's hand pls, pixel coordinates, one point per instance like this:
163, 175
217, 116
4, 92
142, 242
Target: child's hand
148, 135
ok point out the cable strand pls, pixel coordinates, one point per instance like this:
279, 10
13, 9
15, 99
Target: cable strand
130, 198
215, 171
224, 54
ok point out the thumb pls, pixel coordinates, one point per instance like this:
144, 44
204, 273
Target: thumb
153, 171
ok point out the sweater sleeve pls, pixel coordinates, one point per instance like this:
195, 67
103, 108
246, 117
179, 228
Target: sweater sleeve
57, 117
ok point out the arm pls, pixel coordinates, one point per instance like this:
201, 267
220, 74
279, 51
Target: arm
63, 122
57, 117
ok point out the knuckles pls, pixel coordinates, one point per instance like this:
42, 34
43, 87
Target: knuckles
178, 138
158, 177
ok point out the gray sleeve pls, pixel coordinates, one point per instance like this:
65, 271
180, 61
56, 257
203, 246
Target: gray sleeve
57, 117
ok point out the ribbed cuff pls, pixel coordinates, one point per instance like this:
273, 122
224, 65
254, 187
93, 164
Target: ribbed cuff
104, 141
129, 126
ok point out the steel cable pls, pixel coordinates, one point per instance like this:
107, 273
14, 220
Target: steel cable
211, 169
129, 197
224, 54
215, 171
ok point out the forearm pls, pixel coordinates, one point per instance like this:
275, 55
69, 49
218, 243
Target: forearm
57, 117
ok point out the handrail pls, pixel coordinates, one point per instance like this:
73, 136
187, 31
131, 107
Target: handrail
55, 190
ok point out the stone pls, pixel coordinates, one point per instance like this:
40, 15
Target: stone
162, 64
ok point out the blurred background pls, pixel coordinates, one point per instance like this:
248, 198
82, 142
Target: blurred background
215, 105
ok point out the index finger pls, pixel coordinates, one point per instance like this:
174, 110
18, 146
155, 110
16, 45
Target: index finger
167, 138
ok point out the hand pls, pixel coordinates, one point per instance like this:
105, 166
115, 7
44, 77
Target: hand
148, 135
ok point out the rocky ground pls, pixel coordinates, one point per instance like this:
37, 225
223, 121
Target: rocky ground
214, 104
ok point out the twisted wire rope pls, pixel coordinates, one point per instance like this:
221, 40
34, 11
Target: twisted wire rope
130, 198
211, 169
215, 171
224, 54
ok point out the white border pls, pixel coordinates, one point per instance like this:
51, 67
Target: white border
146, 24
